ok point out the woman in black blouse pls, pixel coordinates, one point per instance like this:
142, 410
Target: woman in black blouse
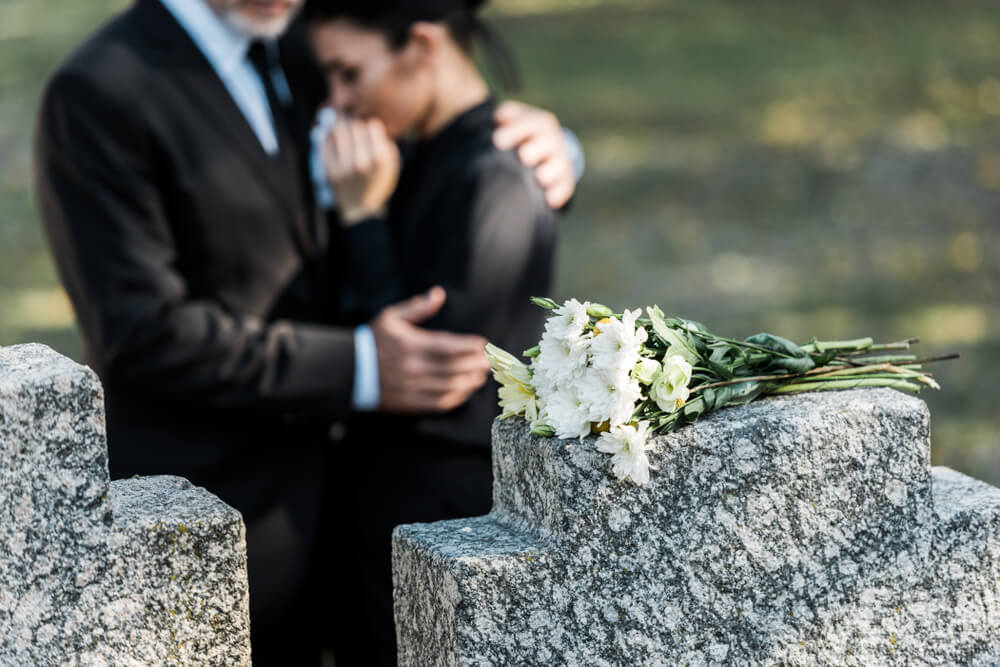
462, 215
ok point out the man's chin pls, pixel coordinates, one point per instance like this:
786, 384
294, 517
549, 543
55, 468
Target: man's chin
262, 27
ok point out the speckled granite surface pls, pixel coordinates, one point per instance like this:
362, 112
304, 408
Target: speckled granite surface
134, 572
798, 531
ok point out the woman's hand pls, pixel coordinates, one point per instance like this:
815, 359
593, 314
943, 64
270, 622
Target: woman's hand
362, 163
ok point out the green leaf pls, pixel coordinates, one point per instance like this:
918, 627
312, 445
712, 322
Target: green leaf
694, 408
700, 346
716, 397
788, 356
745, 392
677, 342
824, 358
800, 365
723, 371
708, 396
532, 352
777, 344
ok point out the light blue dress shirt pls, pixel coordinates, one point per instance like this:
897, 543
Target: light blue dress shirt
226, 50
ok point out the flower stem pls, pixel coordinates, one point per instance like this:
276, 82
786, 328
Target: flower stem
763, 378
880, 359
825, 345
897, 345
902, 365
828, 385
868, 370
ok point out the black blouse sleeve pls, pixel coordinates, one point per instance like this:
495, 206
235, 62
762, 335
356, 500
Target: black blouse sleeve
371, 278
494, 248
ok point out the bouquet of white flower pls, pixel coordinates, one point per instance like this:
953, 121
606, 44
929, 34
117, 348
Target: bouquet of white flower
627, 377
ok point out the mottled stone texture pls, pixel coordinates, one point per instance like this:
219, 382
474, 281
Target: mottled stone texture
133, 572
799, 530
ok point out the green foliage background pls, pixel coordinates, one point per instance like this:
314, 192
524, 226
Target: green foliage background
799, 167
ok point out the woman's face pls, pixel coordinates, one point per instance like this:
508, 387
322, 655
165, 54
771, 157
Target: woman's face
368, 78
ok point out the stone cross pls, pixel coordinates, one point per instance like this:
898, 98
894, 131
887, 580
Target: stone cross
805, 530
92, 572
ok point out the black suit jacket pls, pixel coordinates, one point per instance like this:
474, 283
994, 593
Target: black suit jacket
201, 275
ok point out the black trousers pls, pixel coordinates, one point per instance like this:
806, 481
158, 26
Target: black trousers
412, 482
285, 497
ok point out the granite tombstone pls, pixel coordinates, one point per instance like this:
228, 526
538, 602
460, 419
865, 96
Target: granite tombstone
133, 572
799, 530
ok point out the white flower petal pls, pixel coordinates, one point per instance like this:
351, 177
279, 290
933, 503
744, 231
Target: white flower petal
628, 445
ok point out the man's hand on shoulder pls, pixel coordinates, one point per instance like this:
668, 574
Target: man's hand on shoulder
541, 145
421, 370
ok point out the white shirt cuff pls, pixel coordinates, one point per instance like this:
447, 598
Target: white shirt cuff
576, 155
365, 396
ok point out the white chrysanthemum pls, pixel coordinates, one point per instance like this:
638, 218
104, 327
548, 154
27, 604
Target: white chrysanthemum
568, 320
628, 446
559, 361
565, 413
617, 343
563, 348
609, 396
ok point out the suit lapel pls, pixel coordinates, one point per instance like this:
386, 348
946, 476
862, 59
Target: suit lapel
184, 63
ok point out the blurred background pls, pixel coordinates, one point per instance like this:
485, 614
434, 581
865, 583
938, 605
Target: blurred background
795, 166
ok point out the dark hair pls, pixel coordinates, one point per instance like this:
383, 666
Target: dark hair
394, 18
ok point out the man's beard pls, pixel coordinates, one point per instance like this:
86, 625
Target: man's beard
256, 28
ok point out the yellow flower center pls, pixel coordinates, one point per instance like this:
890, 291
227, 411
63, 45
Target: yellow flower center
603, 320
603, 427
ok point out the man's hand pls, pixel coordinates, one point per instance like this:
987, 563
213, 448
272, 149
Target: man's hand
421, 370
362, 163
538, 138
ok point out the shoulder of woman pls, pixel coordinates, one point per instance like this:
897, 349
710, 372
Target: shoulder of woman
503, 174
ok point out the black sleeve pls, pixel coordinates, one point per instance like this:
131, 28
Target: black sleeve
370, 279
498, 251
102, 204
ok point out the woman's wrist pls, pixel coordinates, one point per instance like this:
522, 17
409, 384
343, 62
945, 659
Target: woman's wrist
353, 215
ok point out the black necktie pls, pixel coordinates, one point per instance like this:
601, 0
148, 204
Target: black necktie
264, 59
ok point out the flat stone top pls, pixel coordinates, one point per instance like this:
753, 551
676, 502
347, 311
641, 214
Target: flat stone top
166, 499
808, 406
818, 412
33, 364
955, 494
477, 537
828, 460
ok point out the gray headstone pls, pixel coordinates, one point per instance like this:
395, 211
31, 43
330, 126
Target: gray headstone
143, 571
798, 530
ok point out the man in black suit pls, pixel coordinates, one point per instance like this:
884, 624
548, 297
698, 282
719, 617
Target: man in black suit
204, 279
